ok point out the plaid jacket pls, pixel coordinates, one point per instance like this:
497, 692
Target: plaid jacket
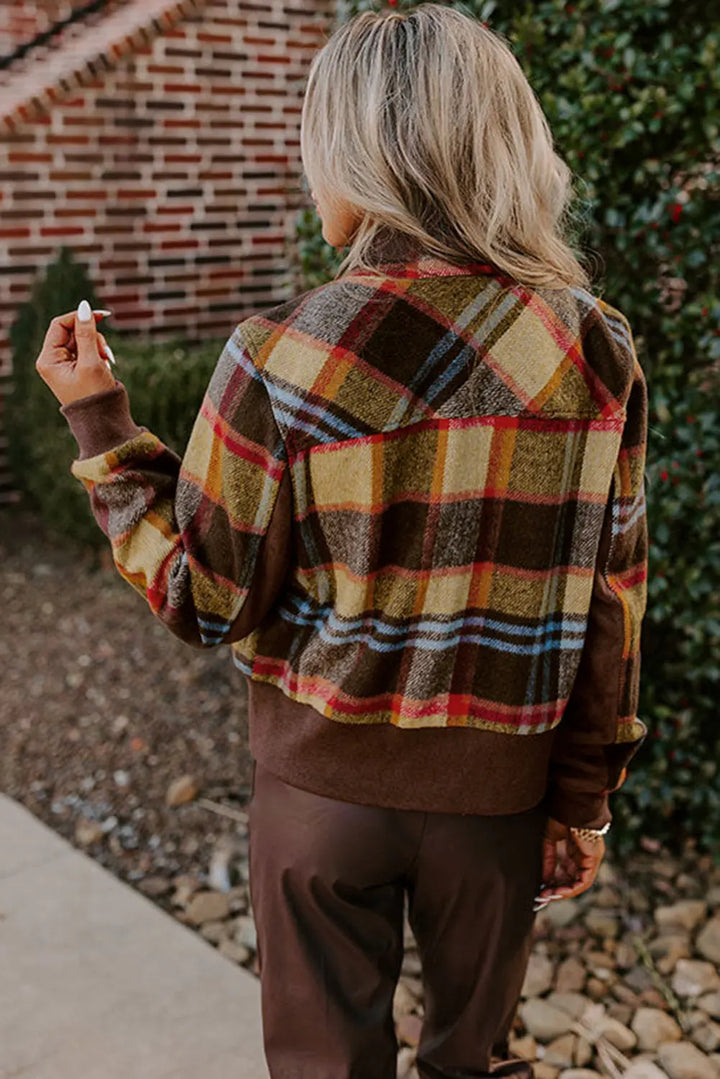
413, 497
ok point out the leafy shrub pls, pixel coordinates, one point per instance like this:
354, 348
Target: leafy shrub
673, 787
165, 381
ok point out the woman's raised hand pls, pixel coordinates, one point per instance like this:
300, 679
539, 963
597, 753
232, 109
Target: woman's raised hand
72, 360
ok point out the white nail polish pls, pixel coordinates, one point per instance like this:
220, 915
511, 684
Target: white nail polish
109, 353
84, 311
108, 366
101, 311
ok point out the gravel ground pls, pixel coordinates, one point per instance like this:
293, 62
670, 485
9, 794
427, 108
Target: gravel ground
133, 746
102, 709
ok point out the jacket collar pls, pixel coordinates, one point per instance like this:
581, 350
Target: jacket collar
397, 254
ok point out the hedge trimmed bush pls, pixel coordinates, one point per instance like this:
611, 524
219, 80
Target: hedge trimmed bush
673, 786
165, 381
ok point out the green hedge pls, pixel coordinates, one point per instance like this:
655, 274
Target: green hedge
673, 787
165, 381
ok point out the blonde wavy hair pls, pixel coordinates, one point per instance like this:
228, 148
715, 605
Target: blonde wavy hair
425, 123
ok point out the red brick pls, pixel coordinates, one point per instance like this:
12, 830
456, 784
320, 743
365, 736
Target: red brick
16, 157
136, 193
62, 230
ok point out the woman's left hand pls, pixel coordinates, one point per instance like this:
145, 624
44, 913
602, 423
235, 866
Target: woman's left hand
72, 360
570, 863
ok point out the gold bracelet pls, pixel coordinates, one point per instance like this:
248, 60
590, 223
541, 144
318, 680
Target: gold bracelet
593, 834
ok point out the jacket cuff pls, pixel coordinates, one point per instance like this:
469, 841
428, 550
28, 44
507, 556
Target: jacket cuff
577, 809
101, 421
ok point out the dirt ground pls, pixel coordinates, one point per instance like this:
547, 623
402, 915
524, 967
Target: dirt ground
102, 709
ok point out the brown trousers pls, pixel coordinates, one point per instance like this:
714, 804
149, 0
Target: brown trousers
327, 887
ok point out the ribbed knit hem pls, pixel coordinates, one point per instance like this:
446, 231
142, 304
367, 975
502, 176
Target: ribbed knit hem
440, 769
101, 421
436, 769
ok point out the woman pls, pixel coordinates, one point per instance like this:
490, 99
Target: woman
413, 505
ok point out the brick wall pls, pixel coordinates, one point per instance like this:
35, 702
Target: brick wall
175, 175
21, 20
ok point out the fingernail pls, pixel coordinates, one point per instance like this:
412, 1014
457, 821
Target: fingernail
101, 311
84, 312
109, 352
108, 366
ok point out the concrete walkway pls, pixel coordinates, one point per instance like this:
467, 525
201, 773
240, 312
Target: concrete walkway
96, 982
